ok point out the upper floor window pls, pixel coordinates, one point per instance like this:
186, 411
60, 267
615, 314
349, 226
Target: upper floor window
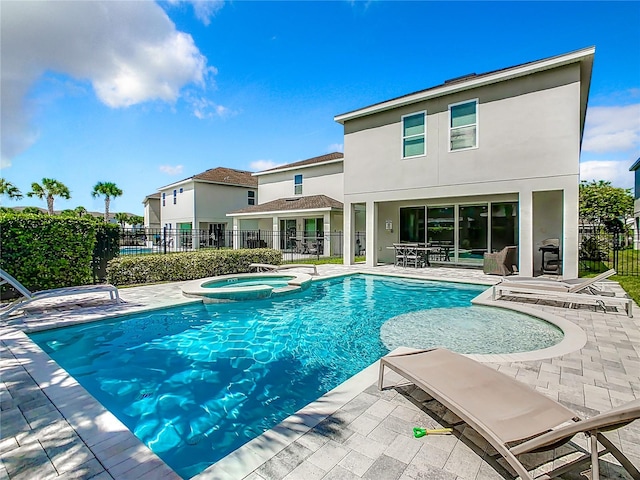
463, 125
413, 135
251, 197
163, 198
181, 190
297, 185
175, 199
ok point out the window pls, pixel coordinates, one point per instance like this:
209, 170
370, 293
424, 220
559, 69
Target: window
251, 197
413, 135
175, 199
412, 223
297, 185
463, 125
163, 198
180, 190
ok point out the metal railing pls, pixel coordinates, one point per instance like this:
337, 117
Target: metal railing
294, 245
601, 250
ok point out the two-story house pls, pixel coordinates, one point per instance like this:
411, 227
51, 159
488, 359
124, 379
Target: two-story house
635, 168
152, 211
477, 163
201, 202
300, 207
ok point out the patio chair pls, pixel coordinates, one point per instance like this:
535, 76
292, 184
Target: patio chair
29, 297
502, 262
513, 417
399, 258
578, 291
572, 285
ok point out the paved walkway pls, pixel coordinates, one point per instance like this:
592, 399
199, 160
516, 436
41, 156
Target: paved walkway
52, 428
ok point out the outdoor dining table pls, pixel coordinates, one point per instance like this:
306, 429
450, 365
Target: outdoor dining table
423, 249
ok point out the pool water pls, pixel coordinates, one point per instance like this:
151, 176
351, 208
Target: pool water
196, 382
248, 282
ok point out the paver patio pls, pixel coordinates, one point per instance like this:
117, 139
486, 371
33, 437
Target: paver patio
52, 428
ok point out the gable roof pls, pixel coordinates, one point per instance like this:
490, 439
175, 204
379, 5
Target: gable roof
635, 165
329, 157
466, 82
151, 196
312, 202
221, 175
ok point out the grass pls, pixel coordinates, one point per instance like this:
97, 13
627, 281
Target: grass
630, 284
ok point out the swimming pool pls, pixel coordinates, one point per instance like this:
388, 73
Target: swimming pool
280, 281
196, 382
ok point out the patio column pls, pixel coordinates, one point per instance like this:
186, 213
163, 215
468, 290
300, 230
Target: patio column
275, 235
348, 228
326, 229
570, 245
525, 242
372, 237
236, 237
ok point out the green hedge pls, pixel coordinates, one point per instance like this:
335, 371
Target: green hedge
135, 270
43, 251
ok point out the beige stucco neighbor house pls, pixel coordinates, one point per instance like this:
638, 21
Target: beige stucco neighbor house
475, 164
201, 202
300, 207
152, 210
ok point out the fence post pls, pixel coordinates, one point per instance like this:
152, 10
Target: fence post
164, 239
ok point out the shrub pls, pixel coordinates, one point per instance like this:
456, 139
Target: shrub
43, 251
132, 270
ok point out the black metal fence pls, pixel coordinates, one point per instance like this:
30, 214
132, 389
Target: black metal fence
295, 245
602, 249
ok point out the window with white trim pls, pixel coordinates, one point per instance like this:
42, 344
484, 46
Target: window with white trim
414, 135
297, 185
463, 125
175, 198
163, 198
251, 197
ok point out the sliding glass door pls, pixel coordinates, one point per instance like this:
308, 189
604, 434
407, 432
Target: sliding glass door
412, 222
473, 233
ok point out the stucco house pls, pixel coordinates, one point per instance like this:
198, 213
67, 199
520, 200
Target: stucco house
152, 211
300, 207
477, 163
635, 168
200, 204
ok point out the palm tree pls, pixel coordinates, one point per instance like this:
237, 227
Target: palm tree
80, 211
109, 190
122, 217
136, 220
9, 189
49, 189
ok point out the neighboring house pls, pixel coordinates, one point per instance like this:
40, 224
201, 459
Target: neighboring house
202, 201
300, 207
477, 163
152, 211
635, 168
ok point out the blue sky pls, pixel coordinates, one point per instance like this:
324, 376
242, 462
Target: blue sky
143, 94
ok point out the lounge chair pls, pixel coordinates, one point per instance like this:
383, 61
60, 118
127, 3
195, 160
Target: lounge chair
501, 263
572, 285
267, 267
514, 418
576, 291
29, 297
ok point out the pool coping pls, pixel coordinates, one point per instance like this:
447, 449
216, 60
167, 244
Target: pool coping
101, 431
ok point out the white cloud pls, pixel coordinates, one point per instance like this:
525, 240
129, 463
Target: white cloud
205, 108
614, 171
130, 52
204, 10
611, 129
170, 170
335, 147
259, 165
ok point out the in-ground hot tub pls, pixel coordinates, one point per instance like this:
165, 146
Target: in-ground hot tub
246, 286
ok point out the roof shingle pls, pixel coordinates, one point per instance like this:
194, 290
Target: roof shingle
312, 202
309, 161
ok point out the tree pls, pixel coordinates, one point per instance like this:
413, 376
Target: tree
122, 218
109, 190
32, 210
600, 202
136, 220
9, 189
49, 189
80, 211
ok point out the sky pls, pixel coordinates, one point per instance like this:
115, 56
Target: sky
143, 93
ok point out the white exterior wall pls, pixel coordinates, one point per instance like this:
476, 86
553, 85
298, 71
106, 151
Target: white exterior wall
316, 180
528, 141
182, 211
214, 201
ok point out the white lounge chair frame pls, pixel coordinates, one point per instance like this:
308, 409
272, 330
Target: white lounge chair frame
564, 292
267, 267
29, 297
514, 418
